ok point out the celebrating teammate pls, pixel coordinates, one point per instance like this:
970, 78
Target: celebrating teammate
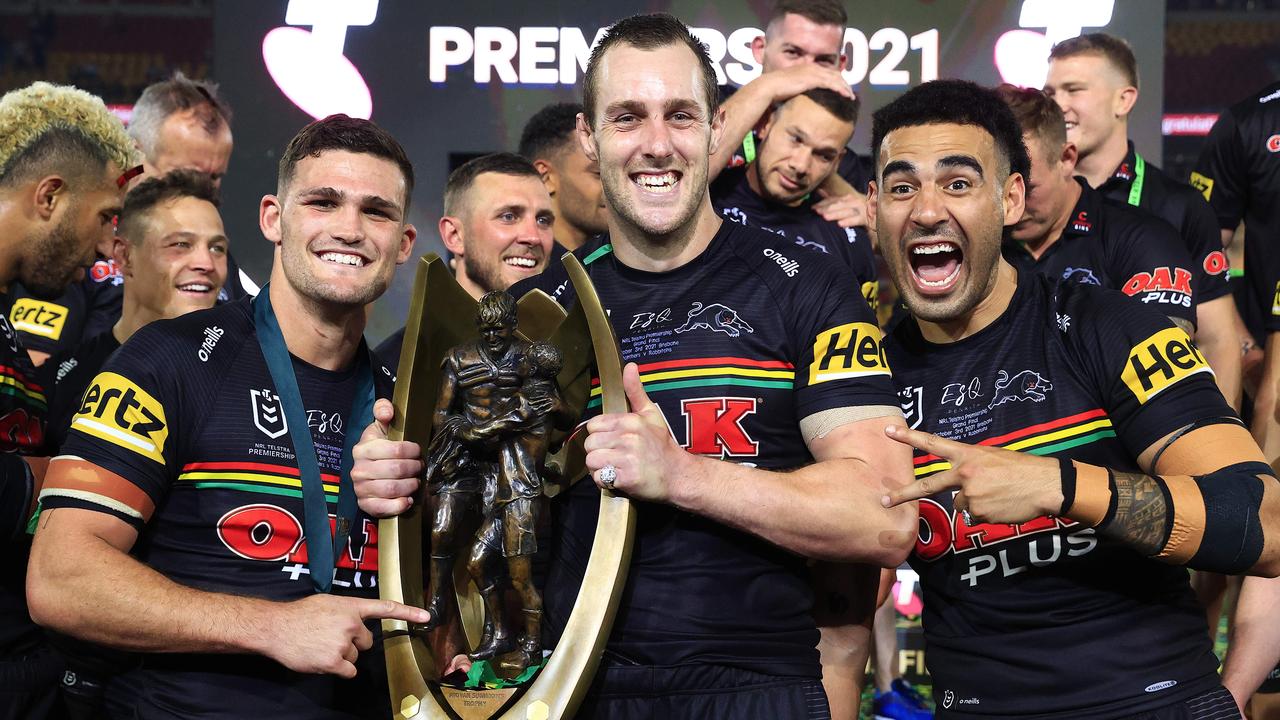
549, 142
797, 150
206, 433
1072, 450
1070, 231
768, 369
1094, 79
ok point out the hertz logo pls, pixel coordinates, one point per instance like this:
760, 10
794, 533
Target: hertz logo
848, 351
118, 411
871, 293
1160, 361
1275, 301
1203, 184
38, 318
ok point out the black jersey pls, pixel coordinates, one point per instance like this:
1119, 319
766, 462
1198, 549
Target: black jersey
1046, 619
87, 308
1182, 206
1116, 246
187, 415
73, 370
733, 197
736, 347
1239, 174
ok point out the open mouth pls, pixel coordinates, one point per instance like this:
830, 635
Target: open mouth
935, 265
522, 262
197, 288
341, 258
1071, 125
660, 183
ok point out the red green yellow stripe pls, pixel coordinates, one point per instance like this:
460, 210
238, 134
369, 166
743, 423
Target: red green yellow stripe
253, 477
15, 382
709, 372
1040, 439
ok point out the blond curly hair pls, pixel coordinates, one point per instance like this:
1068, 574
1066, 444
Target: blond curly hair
59, 128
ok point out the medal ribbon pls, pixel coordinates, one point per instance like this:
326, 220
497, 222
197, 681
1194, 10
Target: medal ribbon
1135, 190
315, 519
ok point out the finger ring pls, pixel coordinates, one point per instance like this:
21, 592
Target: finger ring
607, 475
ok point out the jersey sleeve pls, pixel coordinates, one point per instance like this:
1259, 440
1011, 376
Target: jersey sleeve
129, 423
1153, 266
1203, 238
49, 326
1221, 173
1146, 372
840, 359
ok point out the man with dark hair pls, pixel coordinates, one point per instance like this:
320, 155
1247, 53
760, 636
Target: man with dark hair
763, 442
1029, 563
1094, 79
1069, 230
61, 158
497, 226
151, 537
798, 148
572, 180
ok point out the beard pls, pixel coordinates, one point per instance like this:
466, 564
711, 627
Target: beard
299, 271
52, 263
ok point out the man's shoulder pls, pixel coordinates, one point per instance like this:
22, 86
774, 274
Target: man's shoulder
554, 280
778, 261
1122, 220
205, 338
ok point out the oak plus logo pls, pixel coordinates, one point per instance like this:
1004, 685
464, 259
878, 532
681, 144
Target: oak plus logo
309, 66
713, 426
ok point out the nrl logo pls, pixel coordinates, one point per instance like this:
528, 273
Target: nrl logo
268, 415
911, 399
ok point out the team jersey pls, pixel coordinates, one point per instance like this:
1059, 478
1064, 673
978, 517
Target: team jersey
87, 308
1239, 174
73, 370
1047, 619
735, 200
186, 414
1181, 206
736, 347
1118, 247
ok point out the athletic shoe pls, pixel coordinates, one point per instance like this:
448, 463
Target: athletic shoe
902, 702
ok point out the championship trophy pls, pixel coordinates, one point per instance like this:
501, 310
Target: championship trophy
491, 391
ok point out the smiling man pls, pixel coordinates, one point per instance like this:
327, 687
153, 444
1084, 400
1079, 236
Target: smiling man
206, 431
1029, 563
758, 397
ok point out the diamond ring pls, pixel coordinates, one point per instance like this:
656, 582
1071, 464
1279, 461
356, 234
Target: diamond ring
607, 475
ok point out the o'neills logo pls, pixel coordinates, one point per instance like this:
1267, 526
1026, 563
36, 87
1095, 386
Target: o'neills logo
211, 337
790, 267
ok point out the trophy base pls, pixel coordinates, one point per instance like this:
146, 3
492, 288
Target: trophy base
476, 704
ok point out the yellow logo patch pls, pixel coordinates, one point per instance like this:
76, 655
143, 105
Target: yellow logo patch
871, 293
1203, 184
848, 351
36, 317
1160, 361
118, 411
1275, 301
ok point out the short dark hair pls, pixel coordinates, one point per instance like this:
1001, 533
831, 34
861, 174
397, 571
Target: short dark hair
819, 12
649, 32
497, 307
339, 132
177, 94
842, 107
954, 102
151, 192
461, 180
1115, 50
549, 130
1037, 114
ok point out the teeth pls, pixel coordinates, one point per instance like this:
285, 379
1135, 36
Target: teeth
195, 287
342, 259
942, 282
522, 262
933, 249
656, 183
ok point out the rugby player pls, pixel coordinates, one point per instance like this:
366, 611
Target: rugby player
205, 431
1053, 586
171, 249
1239, 174
497, 225
802, 49
751, 355
1069, 230
577, 200
61, 158
797, 149
1094, 79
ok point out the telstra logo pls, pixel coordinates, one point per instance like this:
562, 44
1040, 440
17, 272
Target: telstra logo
309, 67
1022, 56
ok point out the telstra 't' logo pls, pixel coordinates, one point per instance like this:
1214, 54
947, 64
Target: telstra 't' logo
309, 67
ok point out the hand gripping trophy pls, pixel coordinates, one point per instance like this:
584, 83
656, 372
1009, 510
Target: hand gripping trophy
504, 386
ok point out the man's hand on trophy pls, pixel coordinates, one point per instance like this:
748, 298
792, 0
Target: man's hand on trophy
325, 633
386, 473
637, 445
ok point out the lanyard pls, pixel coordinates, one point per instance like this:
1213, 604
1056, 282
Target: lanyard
315, 519
1135, 190
749, 148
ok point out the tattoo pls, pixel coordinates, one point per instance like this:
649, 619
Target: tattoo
1142, 515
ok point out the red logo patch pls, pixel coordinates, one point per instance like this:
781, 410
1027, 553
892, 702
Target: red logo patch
713, 426
1215, 263
1162, 278
1273, 143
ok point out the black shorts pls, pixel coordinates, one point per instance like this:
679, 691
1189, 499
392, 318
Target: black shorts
635, 692
1216, 704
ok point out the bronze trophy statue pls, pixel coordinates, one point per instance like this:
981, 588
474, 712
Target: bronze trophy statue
491, 391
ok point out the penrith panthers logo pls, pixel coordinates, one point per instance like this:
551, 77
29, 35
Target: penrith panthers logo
1026, 385
717, 318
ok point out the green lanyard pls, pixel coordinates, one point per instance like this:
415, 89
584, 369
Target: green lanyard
1135, 190
749, 148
